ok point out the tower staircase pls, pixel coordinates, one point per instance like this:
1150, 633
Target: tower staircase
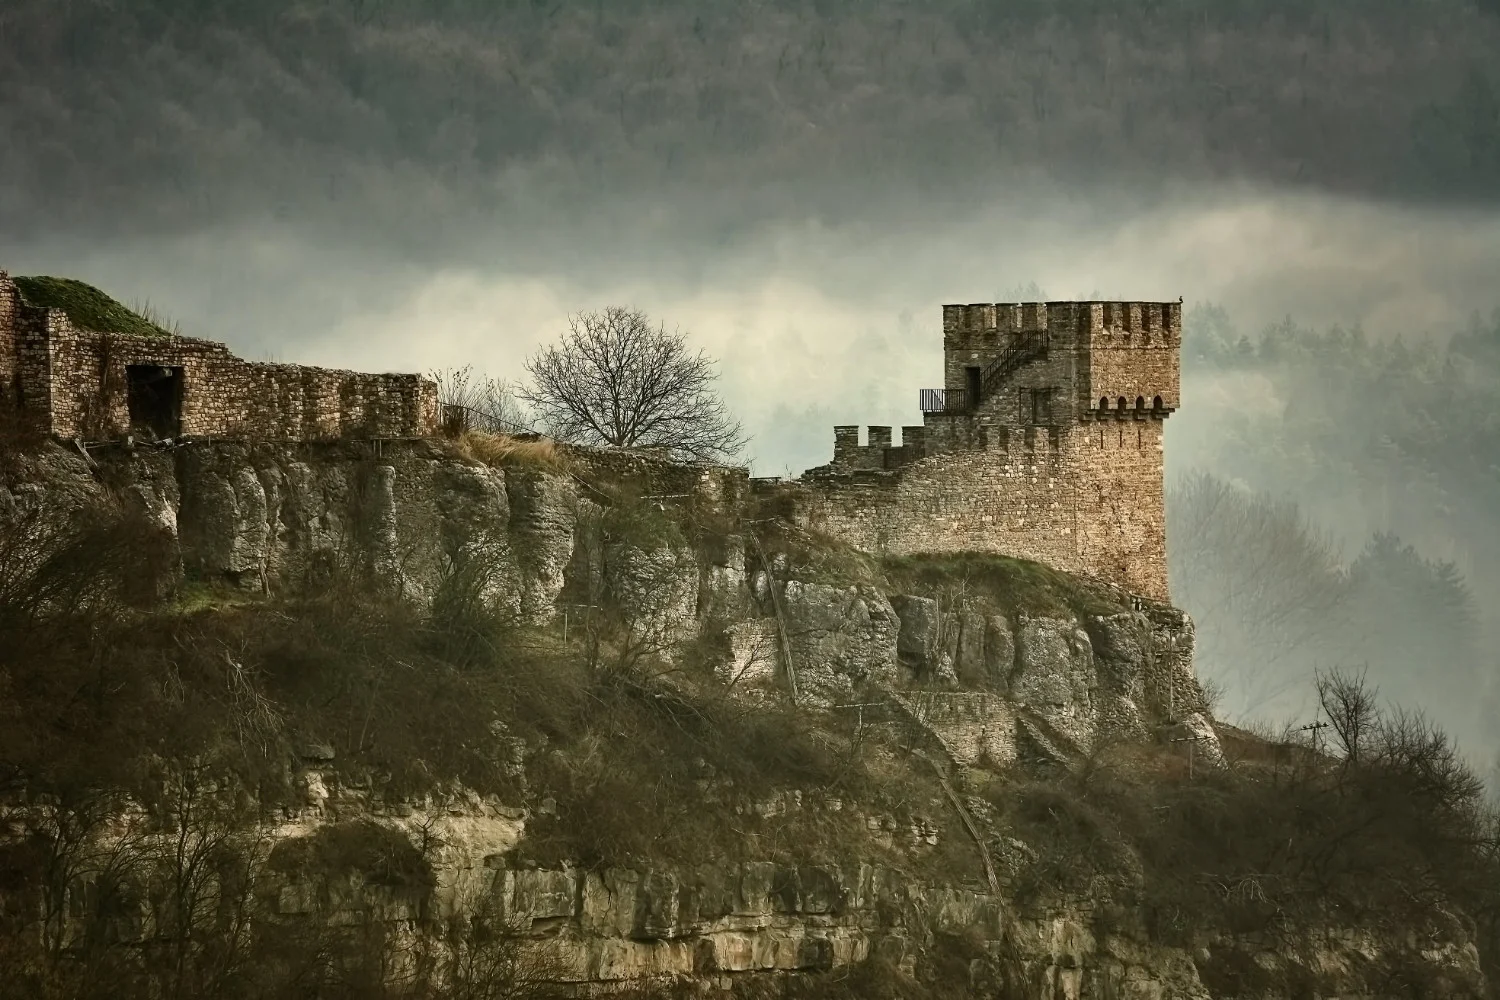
1027, 347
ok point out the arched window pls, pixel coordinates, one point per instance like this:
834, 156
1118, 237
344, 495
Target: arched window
1140, 402
1156, 403
1123, 403
1103, 402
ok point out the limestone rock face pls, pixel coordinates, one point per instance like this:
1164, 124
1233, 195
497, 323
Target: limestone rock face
1118, 649
612, 926
655, 590
917, 641
474, 523
753, 656
544, 513
840, 637
723, 590
430, 525
1055, 676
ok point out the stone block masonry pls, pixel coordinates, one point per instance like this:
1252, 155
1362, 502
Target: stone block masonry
99, 385
1045, 443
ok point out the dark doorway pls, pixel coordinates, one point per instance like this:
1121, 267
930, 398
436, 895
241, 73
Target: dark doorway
154, 395
971, 382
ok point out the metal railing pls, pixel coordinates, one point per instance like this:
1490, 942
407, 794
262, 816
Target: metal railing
943, 400
1025, 348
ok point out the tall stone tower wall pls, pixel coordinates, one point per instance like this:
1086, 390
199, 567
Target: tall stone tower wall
1045, 443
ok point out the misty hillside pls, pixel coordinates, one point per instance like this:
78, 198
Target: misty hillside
162, 114
1336, 504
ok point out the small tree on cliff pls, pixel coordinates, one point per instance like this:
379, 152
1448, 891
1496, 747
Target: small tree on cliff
616, 379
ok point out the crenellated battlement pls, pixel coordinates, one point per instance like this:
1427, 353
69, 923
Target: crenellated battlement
1049, 414
1119, 323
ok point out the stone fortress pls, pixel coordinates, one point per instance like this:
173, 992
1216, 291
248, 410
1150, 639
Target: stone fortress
68, 382
1045, 442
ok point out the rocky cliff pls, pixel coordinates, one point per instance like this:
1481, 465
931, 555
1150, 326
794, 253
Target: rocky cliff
961, 690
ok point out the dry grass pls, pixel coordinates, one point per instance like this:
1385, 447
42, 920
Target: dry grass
508, 450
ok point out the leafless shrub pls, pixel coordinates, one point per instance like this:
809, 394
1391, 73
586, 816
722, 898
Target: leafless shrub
470, 401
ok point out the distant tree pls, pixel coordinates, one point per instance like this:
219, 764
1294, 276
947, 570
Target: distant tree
617, 379
1264, 586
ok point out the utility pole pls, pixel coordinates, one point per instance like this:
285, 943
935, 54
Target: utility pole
1190, 740
1314, 728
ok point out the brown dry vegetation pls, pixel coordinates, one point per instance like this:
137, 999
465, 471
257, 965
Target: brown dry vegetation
119, 695
112, 694
1390, 833
500, 450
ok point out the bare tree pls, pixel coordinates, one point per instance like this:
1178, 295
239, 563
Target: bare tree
1351, 708
615, 379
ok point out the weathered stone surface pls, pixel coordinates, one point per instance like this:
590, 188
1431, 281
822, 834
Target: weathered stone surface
656, 592
1055, 676
527, 897
753, 654
723, 589
836, 642
999, 650
1195, 734
80, 387
474, 531
543, 514
1118, 649
920, 625
973, 726
1054, 664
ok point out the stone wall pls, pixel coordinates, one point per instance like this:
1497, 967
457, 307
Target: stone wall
74, 383
1120, 497
1075, 482
8, 349
1015, 500
223, 396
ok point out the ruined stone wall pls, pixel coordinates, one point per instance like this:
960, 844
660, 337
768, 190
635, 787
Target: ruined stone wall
654, 474
1014, 498
31, 386
223, 396
8, 359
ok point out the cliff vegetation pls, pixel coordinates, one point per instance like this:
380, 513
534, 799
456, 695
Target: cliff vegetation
718, 754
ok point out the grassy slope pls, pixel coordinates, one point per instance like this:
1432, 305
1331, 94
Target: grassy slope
88, 307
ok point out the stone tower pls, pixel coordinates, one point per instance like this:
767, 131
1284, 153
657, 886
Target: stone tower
1045, 443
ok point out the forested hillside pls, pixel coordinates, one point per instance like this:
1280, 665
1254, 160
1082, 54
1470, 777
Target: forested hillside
1338, 503
163, 113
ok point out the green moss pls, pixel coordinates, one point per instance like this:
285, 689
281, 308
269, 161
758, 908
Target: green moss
195, 596
1014, 584
86, 306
